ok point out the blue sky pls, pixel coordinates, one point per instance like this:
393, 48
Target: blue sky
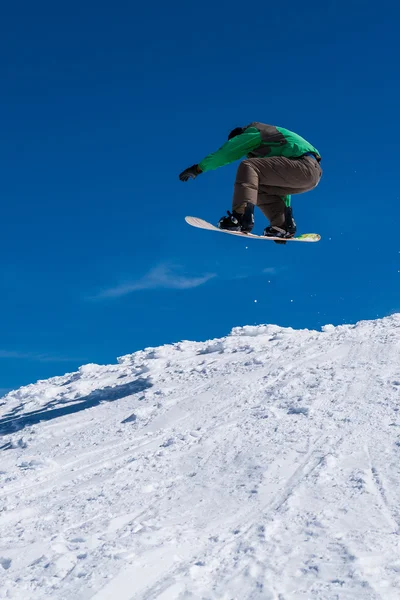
104, 104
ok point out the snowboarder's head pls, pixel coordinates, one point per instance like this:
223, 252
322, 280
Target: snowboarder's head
235, 132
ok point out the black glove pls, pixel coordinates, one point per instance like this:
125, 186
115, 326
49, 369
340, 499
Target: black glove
190, 173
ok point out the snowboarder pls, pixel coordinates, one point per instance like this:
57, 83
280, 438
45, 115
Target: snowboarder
279, 163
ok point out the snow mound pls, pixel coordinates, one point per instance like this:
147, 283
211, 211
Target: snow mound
263, 465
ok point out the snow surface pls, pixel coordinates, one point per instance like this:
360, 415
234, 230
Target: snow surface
264, 465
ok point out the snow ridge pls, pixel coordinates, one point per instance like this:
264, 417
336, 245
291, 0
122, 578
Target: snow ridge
263, 465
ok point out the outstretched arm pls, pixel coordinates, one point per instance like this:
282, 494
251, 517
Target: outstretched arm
232, 150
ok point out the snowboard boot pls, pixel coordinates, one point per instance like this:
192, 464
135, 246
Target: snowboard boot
237, 222
287, 230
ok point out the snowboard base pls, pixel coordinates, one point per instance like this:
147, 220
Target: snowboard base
201, 224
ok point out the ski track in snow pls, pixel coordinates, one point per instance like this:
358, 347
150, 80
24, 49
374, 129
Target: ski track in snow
265, 465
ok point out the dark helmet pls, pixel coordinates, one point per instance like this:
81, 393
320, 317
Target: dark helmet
235, 132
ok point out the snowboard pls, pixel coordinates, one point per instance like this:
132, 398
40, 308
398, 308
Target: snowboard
201, 224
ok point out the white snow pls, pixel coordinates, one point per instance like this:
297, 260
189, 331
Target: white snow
264, 465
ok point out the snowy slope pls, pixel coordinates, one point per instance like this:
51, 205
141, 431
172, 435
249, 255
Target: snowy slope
265, 465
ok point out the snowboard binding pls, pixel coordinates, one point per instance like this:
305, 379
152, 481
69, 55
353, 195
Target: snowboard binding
237, 222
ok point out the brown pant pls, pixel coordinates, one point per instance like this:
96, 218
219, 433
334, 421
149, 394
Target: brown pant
263, 182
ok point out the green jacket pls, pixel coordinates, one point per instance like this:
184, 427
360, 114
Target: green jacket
259, 141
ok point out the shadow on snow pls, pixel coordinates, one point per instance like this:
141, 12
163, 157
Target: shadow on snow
11, 424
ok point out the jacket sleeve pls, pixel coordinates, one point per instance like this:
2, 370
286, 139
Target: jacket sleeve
232, 150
